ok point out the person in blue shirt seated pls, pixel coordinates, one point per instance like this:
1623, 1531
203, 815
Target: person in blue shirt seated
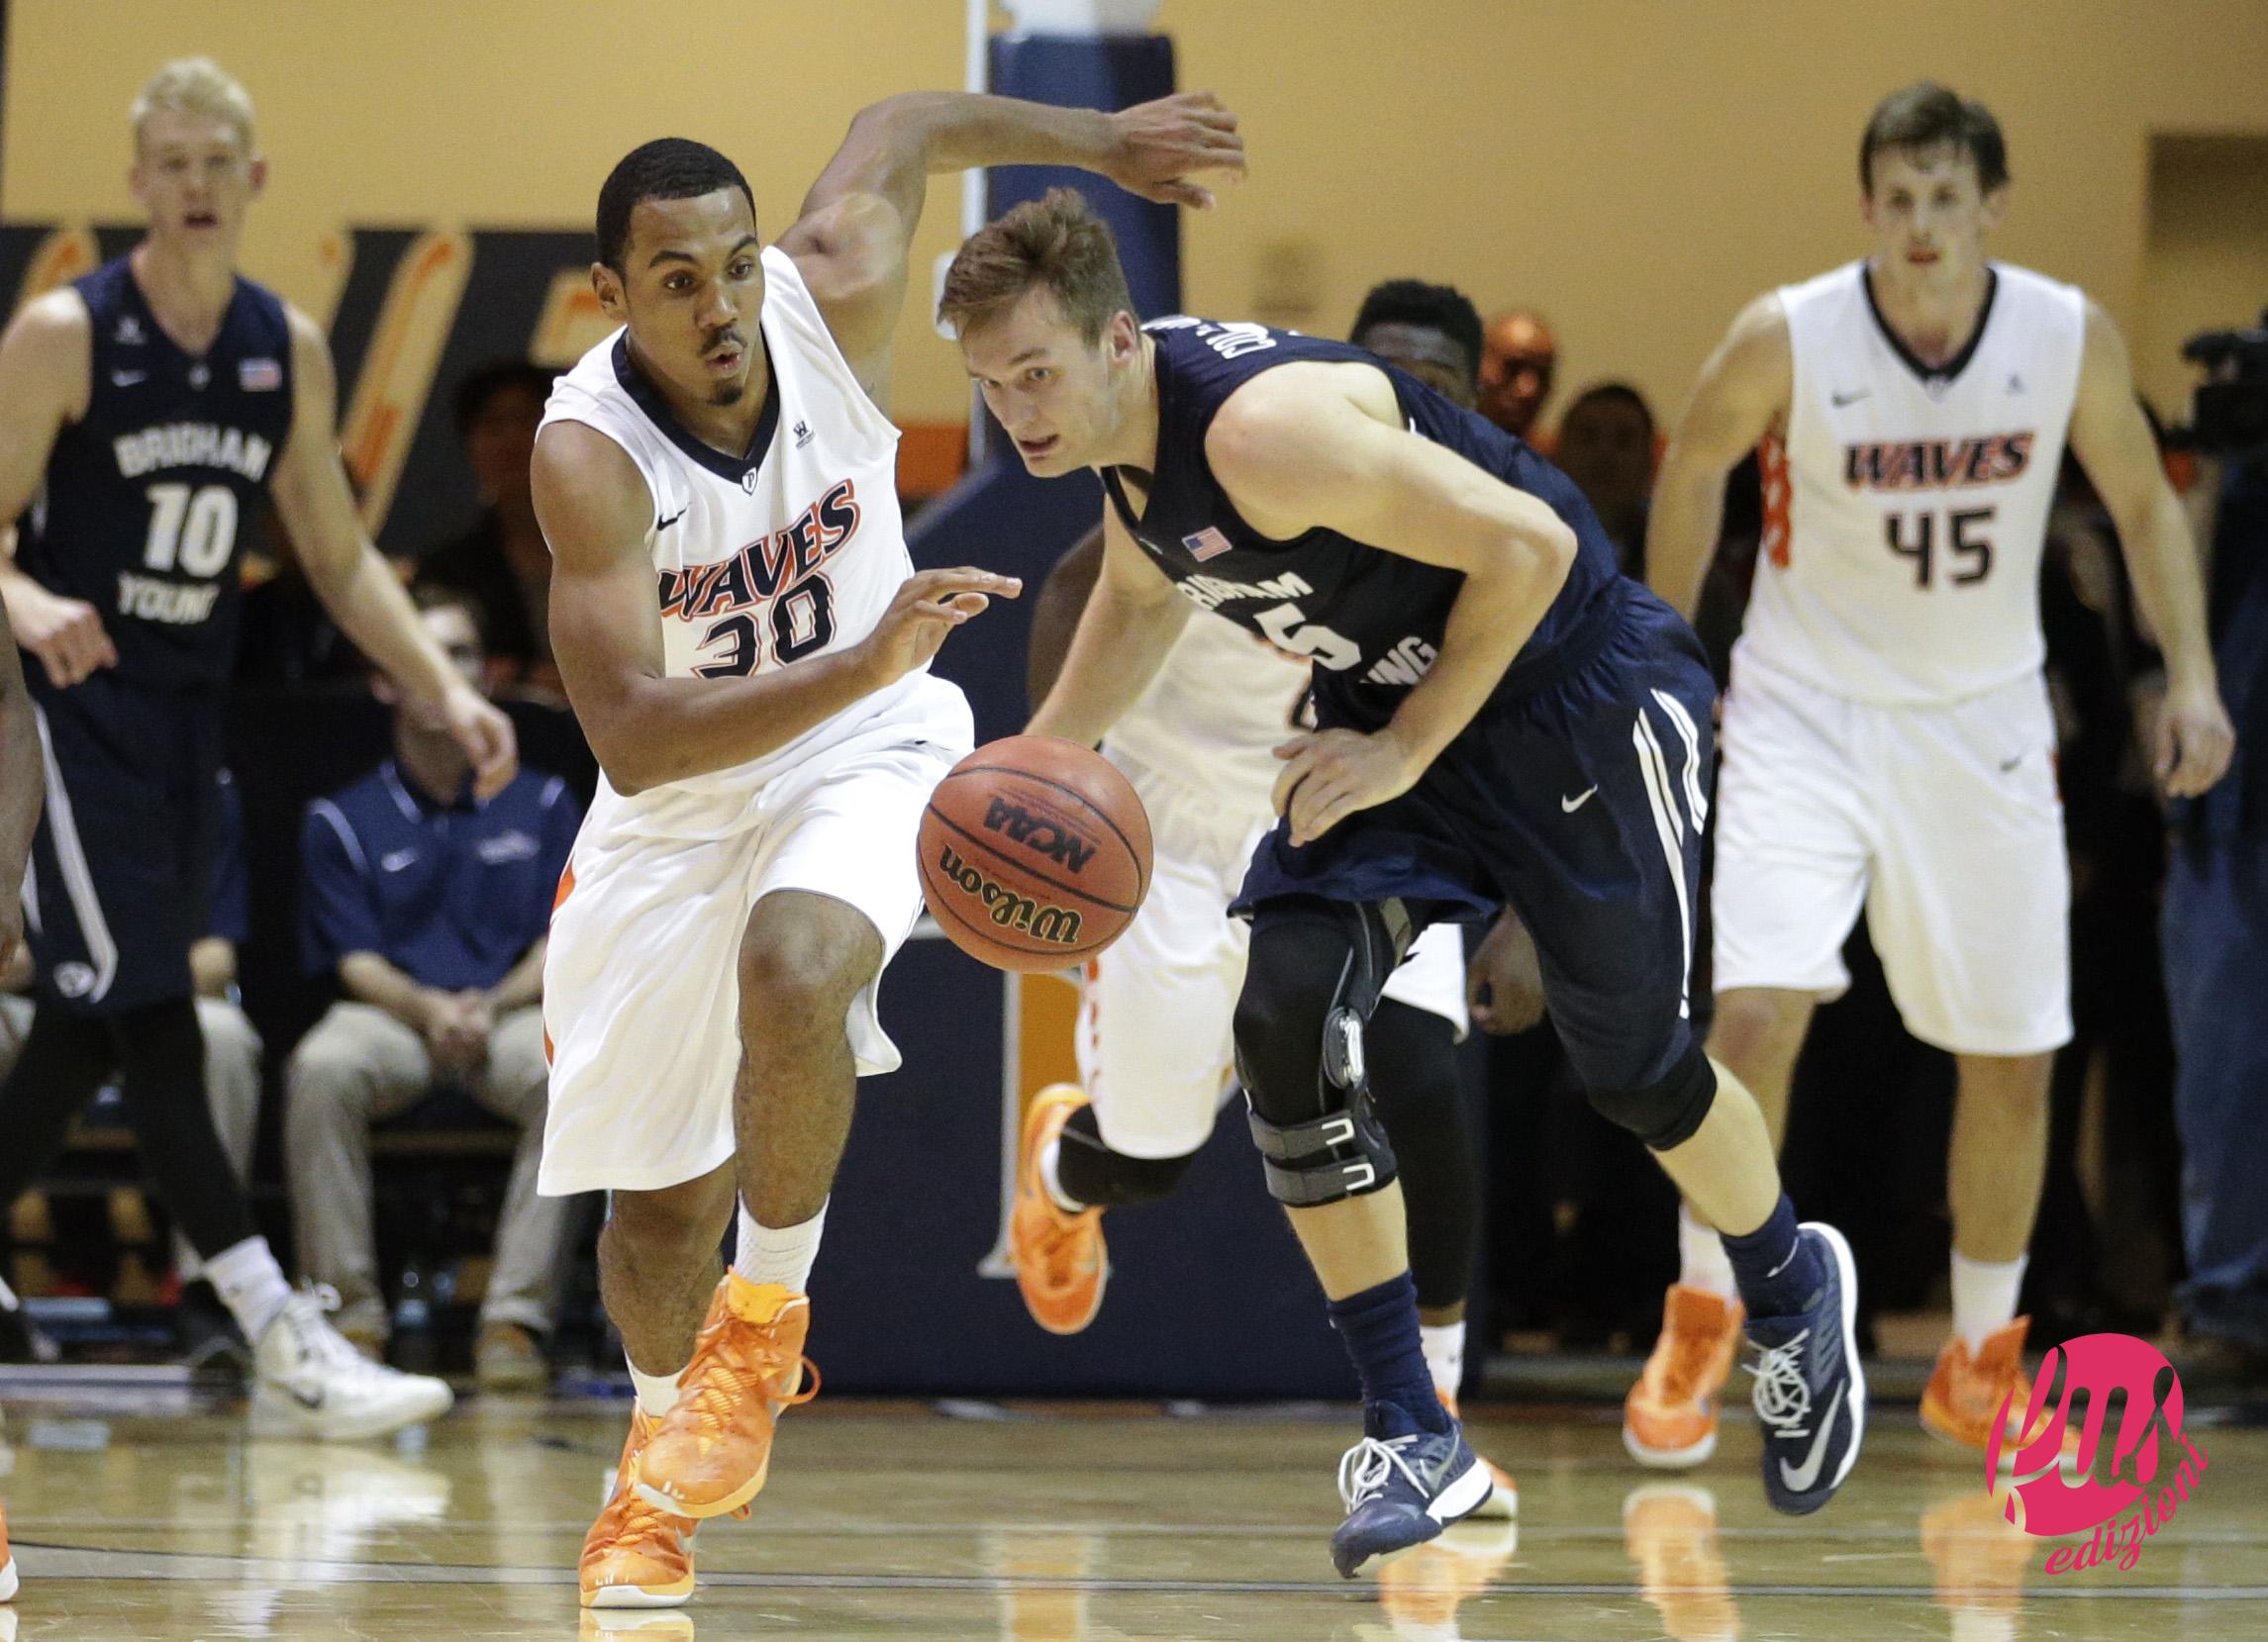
430, 906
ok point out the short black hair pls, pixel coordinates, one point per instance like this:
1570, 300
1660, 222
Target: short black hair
666, 169
1441, 307
1924, 115
1612, 393
484, 382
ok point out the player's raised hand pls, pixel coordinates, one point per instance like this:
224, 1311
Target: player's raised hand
66, 634
1330, 774
927, 607
2193, 739
1160, 144
487, 737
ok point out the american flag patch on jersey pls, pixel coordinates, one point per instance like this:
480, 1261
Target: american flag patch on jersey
258, 376
1208, 543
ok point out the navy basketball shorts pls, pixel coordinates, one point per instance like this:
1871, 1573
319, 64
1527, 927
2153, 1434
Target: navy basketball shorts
121, 865
1580, 803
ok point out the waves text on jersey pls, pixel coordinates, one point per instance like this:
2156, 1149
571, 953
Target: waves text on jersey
192, 444
1937, 464
764, 566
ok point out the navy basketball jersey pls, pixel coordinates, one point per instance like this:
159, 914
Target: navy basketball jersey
151, 497
1372, 620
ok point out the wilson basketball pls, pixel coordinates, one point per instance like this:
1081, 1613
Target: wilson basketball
1035, 853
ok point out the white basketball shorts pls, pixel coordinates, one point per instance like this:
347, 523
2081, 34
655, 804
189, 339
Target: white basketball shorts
1943, 822
641, 983
1156, 1041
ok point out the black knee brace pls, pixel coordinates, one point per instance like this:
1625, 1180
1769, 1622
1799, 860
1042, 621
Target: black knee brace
1092, 1174
1314, 973
1665, 1113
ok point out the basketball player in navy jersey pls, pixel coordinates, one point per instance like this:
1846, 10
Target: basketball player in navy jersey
19, 815
153, 408
1501, 718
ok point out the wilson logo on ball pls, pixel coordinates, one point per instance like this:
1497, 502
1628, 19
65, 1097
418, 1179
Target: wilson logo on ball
1057, 925
1039, 834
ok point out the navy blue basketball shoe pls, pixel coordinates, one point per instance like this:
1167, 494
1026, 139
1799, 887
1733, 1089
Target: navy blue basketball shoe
1810, 1393
1403, 1484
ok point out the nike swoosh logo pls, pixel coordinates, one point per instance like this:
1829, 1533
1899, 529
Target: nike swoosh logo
398, 860
1801, 1477
2008, 764
313, 1400
664, 524
126, 378
1839, 400
1569, 806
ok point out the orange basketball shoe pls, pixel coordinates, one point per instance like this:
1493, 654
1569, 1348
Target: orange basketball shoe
1669, 1420
1504, 1497
710, 1454
1966, 1391
636, 1555
1061, 1264
1669, 1530
8, 1580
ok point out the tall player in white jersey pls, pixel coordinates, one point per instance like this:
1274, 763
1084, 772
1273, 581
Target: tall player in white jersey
1199, 746
1887, 737
746, 647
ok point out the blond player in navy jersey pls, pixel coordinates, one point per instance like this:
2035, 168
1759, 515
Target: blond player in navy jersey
1888, 743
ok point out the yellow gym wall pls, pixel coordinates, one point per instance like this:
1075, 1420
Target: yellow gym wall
1634, 168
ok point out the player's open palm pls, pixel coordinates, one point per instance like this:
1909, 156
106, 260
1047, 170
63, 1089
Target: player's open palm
927, 607
1330, 775
1160, 144
66, 634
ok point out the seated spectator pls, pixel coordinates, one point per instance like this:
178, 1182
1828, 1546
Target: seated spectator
501, 564
429, 907
1517, 359
1607, 446
232, 1051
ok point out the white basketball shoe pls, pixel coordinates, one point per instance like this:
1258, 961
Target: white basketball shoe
312, 1384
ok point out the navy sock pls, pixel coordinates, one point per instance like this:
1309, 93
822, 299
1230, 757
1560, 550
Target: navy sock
1778, 1272
1379, 1329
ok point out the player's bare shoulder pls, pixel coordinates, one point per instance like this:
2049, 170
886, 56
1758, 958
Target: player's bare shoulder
47, 356
1756, 361
591, 500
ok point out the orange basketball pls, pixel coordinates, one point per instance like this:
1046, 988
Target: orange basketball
1035, 853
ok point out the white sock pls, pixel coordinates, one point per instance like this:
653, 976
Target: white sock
656, 1393
778, 1254
1700, 1259
1048, 1161
1444, 1347
250, 1285
1984, 1296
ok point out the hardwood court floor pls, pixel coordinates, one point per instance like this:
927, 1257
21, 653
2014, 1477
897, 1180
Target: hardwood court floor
143, 1520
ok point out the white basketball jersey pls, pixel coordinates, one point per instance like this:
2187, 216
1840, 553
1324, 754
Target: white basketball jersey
1905, 510
1216, 713
794, 552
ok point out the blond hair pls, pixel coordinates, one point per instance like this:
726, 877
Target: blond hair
1056, 242
195, 85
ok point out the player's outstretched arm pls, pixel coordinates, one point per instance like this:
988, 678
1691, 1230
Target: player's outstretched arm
853, 236
354, 583
21, 787
1741, 396
46, 358
1056, 615
1307, 445
2112, 440
648, 728
1131, 620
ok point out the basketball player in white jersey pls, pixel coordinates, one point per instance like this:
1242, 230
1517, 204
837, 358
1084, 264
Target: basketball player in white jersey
1887, 737
1199, 748
746, 647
